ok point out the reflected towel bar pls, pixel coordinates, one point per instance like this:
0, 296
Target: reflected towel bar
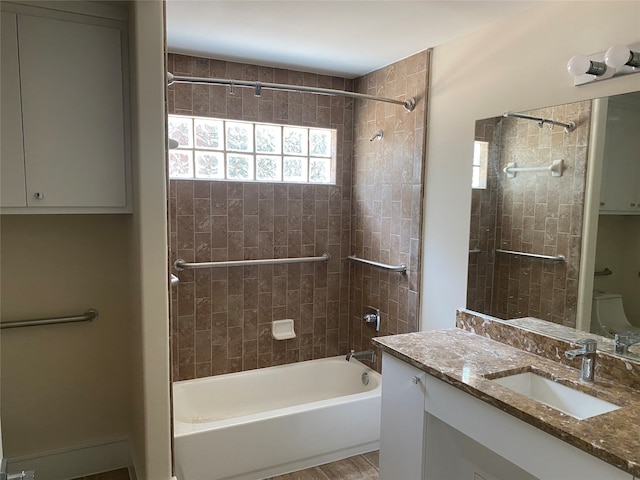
182, 265
86, 317
555, 168
402, 268
555, 258
601, 273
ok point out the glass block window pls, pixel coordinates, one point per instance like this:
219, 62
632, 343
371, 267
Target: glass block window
480, 159
215, 149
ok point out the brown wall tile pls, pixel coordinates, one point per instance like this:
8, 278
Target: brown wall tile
386, 219
222, 317
233, 221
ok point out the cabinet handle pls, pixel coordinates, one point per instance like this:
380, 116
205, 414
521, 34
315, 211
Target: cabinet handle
415, 379
602, 204
39, 195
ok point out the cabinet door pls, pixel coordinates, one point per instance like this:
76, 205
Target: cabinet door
12, 185
401, 421
621, 167
72, 99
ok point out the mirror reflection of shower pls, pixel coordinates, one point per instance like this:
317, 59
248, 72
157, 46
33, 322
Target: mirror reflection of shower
502, 215
526, 213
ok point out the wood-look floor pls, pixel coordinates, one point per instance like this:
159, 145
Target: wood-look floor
359, 467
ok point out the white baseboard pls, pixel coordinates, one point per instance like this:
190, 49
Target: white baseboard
76, 461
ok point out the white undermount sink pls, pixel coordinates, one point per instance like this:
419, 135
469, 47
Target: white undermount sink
578, 404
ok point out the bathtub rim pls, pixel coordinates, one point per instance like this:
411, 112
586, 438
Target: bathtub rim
182, 429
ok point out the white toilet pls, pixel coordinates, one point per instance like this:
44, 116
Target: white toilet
607, 315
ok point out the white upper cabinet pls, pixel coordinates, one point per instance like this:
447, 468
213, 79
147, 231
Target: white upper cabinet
71, 97
620, 192
12, 179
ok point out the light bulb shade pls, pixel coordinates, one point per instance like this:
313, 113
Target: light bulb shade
578, 65
581, 65
620, 55
617, 56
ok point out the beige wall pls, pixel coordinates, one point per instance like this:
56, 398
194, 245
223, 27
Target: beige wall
512, 66
64, 385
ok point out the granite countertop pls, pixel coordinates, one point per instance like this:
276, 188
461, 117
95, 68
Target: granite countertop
467, 361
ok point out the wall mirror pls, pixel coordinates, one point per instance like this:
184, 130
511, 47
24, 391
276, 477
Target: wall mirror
555, 217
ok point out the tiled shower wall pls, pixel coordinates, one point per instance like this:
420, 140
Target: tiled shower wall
482, 232
221, 317
538, 213
386, 218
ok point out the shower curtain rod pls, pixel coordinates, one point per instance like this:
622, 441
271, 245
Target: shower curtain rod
409, 104
568, 127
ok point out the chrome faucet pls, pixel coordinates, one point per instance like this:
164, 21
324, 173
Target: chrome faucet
368, 355
588, 354
622, 341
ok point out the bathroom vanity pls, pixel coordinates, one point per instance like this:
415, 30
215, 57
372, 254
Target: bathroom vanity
452, 410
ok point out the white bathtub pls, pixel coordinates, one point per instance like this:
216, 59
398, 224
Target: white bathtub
256, 424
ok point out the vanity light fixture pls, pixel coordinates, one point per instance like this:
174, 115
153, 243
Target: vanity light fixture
616, 61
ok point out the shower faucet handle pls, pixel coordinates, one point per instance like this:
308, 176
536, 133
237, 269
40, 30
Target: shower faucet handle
372, 316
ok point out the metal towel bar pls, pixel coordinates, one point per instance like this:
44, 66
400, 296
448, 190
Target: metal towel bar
86, 317
394, 268
601, 273
554, 258
182, 265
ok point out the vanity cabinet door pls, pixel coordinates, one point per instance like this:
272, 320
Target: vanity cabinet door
402, 421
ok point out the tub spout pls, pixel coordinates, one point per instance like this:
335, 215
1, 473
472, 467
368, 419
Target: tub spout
368, 355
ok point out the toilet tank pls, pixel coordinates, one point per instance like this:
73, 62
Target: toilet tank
609, 312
